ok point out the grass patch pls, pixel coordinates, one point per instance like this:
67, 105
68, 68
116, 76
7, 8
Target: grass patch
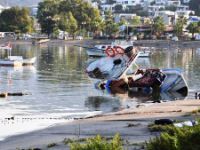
173, 138
98, 143
160, 128
195, 111
51, 145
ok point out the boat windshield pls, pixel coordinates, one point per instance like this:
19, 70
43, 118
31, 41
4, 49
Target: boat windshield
132, 69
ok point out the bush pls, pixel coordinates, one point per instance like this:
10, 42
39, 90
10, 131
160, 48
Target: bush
173, 138
98, 143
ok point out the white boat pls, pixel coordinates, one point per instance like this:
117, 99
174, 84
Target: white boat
100, 50
111, 67
29, 61
14, 61
116, 70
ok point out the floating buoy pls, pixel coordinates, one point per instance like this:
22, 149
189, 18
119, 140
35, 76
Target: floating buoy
3, 94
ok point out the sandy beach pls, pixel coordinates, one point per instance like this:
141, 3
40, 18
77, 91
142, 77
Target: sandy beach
131, 123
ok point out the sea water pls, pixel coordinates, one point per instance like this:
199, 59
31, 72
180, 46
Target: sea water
58, 89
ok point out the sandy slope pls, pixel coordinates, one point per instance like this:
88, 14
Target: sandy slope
107, 125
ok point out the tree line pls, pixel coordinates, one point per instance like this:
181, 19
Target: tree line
78, 17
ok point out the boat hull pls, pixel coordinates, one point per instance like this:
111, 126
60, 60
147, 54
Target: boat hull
27, 62
17, 63
10, 63
174, 81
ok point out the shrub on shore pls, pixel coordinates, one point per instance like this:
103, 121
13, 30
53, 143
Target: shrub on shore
98, 143
186, 138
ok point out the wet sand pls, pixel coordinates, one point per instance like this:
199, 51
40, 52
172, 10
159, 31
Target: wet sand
130, 123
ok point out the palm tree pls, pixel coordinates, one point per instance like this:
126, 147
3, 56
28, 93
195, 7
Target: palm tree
180, 24
193, 28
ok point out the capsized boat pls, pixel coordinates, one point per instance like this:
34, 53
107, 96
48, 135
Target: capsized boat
121, 72
111, 67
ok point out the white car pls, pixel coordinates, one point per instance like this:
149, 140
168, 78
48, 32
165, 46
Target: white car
79, 38
175, 38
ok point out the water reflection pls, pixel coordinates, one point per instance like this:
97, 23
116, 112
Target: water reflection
102, 103
143, 96
58, 82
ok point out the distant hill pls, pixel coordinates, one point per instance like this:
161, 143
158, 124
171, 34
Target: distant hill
19, 2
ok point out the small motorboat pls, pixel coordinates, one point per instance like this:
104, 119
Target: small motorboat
121, 72
29, 61
14, 61
100, 50
151, 80
111, 67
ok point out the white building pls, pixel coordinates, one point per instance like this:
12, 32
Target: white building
173, 3
168, 17
127, 17
153, 9
128, 2
186, 14
182, 8
186, 1
160, 2
108, 7
168, 2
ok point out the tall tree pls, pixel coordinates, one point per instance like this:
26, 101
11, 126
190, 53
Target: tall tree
193, 28
72, 24
81, 11
180, 24
47, 15
16, 20
110, 27
158, 26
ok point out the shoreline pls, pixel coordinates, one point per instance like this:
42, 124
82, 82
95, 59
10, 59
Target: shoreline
91, 42
131, 123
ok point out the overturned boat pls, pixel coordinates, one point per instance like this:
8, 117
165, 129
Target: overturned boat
119, 73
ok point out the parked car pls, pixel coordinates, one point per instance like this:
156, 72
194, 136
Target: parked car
175, 38
79, 38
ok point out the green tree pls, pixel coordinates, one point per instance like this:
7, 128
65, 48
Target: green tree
47, 12
16, 20
179, 26
50, 15
195, 6
110, 27
136, 21
72, 24
158, 26
193, 28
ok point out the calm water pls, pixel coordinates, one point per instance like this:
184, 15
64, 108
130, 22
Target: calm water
58, 88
